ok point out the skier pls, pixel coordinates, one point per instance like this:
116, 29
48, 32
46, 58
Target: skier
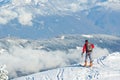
88, 47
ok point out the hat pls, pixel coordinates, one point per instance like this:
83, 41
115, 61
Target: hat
86, 40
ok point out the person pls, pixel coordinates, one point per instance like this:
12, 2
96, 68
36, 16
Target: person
88, 48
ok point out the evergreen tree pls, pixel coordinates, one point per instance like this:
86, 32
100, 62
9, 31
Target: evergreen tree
3, 72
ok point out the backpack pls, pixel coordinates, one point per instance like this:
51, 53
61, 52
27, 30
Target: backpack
89, 47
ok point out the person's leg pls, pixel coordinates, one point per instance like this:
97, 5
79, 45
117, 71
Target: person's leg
90, 57
86, 56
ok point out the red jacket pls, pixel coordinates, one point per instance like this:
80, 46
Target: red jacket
84, 48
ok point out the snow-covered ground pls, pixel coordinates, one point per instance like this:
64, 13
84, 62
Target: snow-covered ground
57, 55
3, 72
105, 68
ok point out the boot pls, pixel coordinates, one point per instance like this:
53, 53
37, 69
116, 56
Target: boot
91, 63
85, 63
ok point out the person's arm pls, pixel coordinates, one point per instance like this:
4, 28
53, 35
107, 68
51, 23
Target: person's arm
84, 49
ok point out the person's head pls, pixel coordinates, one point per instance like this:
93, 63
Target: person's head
86, 41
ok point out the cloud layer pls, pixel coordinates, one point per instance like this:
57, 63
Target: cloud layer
27, 60
25, 10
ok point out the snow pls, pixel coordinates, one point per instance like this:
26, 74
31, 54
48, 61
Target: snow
3, 72
113, 4
88, 36
23, 57
48, 18
1, 51
62, 37
78, 48
45, 7
99, 71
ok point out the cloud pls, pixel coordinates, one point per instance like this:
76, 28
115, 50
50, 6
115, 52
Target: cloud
111, 4
3, 21
25, 19
28, 60
21, 2
28, 1
74, 7
45, 7
43, 1
6, 15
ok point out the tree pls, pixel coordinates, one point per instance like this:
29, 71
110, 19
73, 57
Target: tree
3, 72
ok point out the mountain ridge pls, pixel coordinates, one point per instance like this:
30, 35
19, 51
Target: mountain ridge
45, 19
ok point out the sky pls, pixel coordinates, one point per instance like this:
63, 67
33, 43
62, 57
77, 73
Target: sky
36, 19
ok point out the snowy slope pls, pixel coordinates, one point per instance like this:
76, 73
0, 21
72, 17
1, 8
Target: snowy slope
105, 68
23, 57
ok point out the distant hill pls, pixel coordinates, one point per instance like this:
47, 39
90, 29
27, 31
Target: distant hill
35, 19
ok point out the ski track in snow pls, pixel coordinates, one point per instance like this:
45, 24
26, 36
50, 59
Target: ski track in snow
99, 61
92, 74
102, 64
60, 74
99, 71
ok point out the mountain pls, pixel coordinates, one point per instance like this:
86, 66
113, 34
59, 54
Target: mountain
41, 35
35, 19
24, 56
103, 69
